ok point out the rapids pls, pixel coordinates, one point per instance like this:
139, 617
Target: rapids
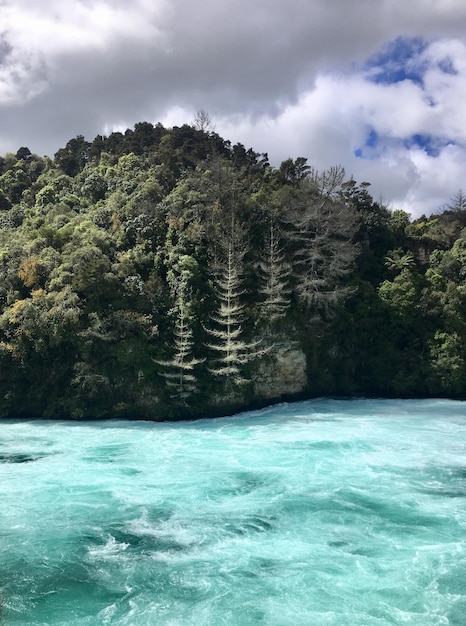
326, 512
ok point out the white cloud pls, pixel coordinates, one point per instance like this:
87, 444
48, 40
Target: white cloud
22, 77
287, 77
334, 119
44, 40
76, 25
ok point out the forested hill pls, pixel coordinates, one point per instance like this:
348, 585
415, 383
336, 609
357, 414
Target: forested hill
164, 273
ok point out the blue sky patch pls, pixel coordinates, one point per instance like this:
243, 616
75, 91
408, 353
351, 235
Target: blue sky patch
398, 61
368, 150
424, 142
429, 144
372, 139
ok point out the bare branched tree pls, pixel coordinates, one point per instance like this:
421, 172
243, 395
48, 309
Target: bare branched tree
457, 202
322, 234
202, 121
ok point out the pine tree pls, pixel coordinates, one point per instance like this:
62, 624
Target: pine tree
231, 350
275, 272
179, 370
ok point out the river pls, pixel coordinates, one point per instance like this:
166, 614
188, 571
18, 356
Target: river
326, 512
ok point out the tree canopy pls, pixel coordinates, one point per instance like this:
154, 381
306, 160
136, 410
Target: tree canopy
153, 273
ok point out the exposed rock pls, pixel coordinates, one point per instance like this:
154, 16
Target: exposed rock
281, 373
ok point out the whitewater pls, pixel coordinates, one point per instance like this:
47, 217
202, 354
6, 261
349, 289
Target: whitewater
326, 512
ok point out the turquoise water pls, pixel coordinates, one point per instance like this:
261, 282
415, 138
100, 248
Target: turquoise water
316, 513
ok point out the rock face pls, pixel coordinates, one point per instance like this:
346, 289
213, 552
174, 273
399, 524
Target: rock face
282, 372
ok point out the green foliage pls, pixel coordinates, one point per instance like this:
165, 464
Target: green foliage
141, 274
448, 371
179, 370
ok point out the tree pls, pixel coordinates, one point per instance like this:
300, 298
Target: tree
374, 236
74, 156
397, 260
203, 122
292, 172
178, 371
14, 182
407, 330
275, 272
24, 154
457, 203
447, 363
231, 350
322, 234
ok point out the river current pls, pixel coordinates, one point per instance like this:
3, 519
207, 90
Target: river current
342, 513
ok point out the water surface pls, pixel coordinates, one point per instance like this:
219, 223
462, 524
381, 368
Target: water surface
316, 513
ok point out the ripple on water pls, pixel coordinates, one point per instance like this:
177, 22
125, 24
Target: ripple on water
20, 457
326, 513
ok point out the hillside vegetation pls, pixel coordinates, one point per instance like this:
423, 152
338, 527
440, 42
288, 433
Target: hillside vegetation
165, 273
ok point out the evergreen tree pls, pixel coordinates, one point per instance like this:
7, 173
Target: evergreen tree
119, 252
275, 272
179, 370
231, 350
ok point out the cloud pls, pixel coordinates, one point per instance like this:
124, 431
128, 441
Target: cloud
376, 86
407, 137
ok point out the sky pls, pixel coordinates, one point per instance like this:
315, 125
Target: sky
378, 86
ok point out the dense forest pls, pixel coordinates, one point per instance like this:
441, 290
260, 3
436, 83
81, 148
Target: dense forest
166, 273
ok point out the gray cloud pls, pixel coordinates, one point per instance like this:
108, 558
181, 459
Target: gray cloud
85, 66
